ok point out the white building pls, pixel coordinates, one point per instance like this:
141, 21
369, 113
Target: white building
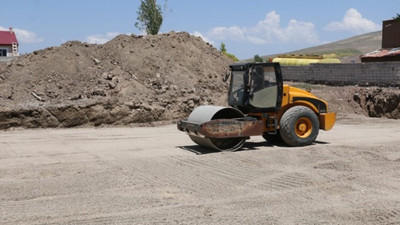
8, 44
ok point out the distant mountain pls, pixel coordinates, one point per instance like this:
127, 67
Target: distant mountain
347, 50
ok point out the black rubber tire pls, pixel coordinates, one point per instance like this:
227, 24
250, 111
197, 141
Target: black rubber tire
288, 126
273, 138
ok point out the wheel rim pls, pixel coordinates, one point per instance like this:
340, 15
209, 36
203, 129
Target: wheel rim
303, 127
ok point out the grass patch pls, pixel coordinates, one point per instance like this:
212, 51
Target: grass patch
340, 53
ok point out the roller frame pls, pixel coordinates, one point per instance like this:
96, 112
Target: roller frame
223, 128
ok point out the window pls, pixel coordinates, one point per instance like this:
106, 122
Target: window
3, 52
237, 88
264, 91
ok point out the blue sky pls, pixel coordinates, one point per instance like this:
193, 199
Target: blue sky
246, 27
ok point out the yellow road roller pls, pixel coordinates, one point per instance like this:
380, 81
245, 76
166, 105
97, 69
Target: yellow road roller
260, 104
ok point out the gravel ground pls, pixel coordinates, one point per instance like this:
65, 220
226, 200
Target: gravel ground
158, 176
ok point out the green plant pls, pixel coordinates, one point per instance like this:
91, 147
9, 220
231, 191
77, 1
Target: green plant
149, 16
257, 58
397, 17
233, 57
222, 48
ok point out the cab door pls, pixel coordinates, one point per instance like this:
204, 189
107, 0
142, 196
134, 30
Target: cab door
265, 88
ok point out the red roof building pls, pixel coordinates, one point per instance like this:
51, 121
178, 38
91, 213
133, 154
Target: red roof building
390, 44
8, 44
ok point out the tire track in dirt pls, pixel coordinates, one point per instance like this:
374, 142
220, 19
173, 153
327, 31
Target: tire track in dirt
200, 176
285, 181
162, 173
378, 214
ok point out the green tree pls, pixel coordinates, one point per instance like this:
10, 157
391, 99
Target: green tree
149, 16
397, 17
257, 58
222, 48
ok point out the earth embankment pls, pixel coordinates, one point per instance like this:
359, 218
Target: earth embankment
140, 79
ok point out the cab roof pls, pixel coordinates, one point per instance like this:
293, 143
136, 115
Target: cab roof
245, 66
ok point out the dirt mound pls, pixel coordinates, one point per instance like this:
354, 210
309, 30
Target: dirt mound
379, 102
140, 79
131, 79
368, 101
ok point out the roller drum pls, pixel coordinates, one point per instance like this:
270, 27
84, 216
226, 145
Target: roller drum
204, 114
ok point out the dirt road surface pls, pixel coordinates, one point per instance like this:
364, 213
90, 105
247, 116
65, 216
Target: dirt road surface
351, 175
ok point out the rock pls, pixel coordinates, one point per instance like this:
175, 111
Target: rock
146, 107
112, 85
34, 94
115, 80
99, 92
191, 104
76, 97
356, 98
107, 76
96, 61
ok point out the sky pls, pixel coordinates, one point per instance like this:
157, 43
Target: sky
247, 27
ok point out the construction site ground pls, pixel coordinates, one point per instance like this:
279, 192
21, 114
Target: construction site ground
88, 136
156, 175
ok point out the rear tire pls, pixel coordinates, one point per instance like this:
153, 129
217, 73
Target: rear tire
299, 126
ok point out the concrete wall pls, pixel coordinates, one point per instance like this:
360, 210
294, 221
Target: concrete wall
381, 74
6, 59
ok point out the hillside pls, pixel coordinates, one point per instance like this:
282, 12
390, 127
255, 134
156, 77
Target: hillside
348, 49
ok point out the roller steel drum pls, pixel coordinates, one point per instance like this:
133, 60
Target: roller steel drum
204, 114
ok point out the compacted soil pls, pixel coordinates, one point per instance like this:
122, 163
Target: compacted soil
156, 175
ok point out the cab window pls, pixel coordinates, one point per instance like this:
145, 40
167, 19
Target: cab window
264, 90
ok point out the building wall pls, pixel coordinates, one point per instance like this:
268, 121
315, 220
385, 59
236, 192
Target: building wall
391, 34
8, 48
380, 73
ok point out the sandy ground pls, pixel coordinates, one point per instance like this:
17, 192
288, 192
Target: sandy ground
351, 175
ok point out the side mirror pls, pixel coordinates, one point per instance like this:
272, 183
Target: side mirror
227, 75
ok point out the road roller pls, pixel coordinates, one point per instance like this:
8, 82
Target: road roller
259, 105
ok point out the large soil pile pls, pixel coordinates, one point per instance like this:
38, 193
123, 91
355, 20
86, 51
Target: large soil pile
131, 79
368, 101
139, 79
379, 102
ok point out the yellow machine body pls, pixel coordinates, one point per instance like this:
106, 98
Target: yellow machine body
326, 119
260, 104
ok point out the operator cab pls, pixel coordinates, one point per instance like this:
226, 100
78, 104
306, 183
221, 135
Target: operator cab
256, 87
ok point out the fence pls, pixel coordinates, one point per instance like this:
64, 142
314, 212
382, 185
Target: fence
381, 74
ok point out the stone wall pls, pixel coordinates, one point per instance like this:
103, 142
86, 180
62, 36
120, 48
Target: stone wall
380, 74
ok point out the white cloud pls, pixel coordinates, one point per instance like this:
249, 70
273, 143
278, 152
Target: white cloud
267, 31
101, 38
198, 34
353, 22
222, 33
25, 36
